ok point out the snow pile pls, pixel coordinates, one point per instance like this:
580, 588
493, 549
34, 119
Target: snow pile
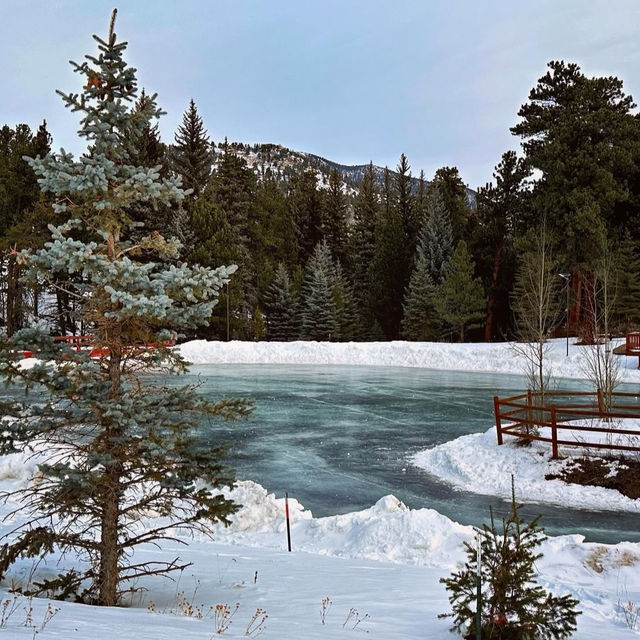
387, 531
475, 463
486, 357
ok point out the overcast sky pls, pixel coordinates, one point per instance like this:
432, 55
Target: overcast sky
350, 80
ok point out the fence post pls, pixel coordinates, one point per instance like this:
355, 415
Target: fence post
496, 410
600, 404
554, 435
529, 409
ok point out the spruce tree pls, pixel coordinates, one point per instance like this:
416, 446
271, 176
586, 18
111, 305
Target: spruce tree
121, 463
436, 237
334, 217
19, 195
281, 307
460, 298
500, 215
626, 311
420, 321
318, 312
192, 156
448, 183
345, 305
306, 210
514, 607
233, 189
405, 202
388, 273
362, 242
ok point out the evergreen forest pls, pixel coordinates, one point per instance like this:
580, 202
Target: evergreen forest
326, 252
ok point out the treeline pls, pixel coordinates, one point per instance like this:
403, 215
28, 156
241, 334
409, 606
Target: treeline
400, 259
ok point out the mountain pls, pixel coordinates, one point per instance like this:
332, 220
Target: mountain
275, 161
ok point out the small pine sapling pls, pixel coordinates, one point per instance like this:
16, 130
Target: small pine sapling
513, 606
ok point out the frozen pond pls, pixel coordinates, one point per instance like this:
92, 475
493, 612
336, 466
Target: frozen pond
338, 438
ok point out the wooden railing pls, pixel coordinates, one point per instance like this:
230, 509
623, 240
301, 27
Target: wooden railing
633, 343
524, 415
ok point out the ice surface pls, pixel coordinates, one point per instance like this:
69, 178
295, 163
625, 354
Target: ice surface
339, 438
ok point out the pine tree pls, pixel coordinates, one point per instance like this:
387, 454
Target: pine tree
272, 237
500, 214
362, 242
420, 321
318, 312
145, 149
436, 237
626, 311
334, 217
388, 273
281, 307
448, 183
192, 156
306, 210
405, 202
514, 607
125, 451
460, 298
19, 195
345, 305
233, 189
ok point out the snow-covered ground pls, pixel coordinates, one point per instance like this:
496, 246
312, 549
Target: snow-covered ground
383, 562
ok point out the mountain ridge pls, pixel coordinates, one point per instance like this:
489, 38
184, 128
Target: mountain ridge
272, 160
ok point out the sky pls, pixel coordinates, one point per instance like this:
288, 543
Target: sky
353, 81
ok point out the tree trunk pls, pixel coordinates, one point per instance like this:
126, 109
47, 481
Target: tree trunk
62, 326
14, 297
108, 578
491, 304
109, 548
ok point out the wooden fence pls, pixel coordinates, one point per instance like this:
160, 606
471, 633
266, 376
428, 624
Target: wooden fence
566, 414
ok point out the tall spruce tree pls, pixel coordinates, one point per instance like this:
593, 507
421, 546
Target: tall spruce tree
334, 217
318, 312
420, 320
388, 272
345, 305
626, 311
448, 183
500, 214
281, 307
306, 203
233, 189
19, 195
436, 237
406, 202
366, 212
192, 156
460, 297
120, 460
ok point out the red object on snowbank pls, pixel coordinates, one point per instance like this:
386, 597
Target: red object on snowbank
85, 343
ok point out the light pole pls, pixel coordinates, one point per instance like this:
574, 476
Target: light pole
227, 286
567, 278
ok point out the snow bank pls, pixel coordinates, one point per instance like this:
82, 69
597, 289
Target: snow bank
480, 357
475, 463
387, 531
